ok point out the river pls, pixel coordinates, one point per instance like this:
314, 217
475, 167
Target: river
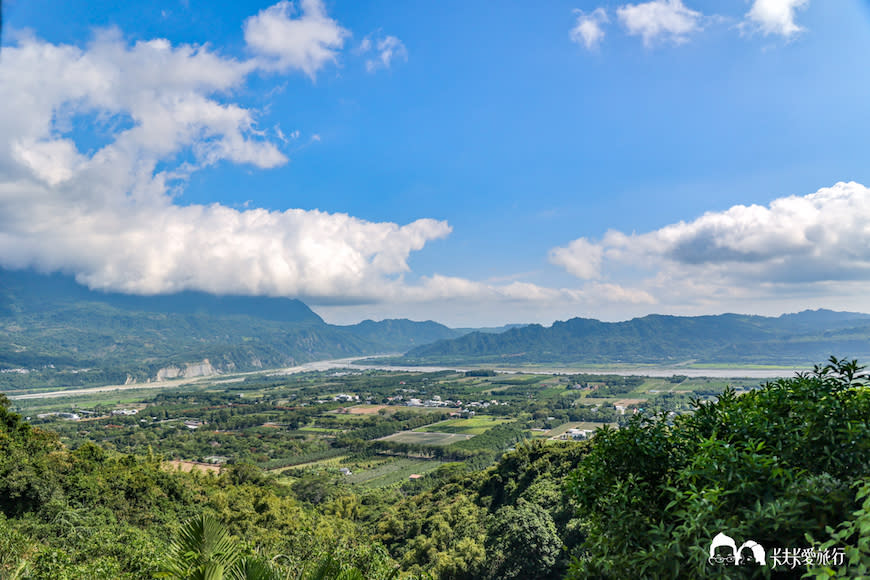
353, 364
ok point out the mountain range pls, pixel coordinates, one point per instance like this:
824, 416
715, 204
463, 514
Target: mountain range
806, 337
55, 332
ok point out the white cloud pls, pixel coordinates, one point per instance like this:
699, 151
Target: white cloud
589, 28
462, 303
387, 49
306, 42
108, 216
581, 258
746, 252
160, 95
667, 19
167, 248
775, 16
609, 293
51, 161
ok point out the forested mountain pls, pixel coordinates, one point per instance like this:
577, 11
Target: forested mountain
727, 338
28, 292
62, 333
401, 334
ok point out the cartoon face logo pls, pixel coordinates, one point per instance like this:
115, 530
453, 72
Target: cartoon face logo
751, 552
724, 550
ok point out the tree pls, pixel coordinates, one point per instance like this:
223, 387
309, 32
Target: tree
205, 551
522, 542
773, 465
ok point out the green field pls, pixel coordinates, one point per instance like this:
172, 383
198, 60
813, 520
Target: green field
320, 430
471, 426
394, 471
432, 439
328, 462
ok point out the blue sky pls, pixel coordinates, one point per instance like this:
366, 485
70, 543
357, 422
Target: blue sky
444, 160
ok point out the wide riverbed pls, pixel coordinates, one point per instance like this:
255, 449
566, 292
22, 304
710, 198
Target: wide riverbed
651, 371
355, 364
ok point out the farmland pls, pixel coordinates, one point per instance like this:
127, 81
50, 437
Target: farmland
358, 428
425, 438
471, 426
387, 460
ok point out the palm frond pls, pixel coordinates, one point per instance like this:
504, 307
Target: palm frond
203, 550
253, 568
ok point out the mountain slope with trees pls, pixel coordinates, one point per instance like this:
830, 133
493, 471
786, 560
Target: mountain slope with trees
657, 339
55, 332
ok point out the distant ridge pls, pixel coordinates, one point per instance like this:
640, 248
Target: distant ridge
402, 334
807, 336
28, 289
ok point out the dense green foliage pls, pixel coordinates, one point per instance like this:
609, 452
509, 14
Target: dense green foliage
88, 513
728, 338
511, 521
776, 465
91, 514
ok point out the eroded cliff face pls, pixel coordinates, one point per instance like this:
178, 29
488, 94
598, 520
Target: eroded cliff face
199, 369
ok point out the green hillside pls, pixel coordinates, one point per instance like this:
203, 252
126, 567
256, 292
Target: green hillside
55, 332
657, 339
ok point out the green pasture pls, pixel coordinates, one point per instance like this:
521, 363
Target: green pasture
320, 430
397, 470
328, 462
470, 426
431, 439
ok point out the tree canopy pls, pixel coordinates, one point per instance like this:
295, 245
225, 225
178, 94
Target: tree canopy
781, 465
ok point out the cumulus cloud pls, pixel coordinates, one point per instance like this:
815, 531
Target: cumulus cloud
161, 249
659, 19
581, 258
460, 302
287, 37
775, 16
108, 215
589, 30
386, 49
817, 239
104, 208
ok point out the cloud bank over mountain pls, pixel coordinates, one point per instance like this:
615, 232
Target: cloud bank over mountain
782, 249
108, 214
103, 137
